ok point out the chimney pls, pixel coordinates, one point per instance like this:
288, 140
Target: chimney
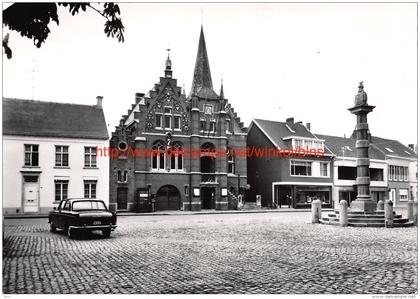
138, 97
290, 121
308, 126
411, 146
99, 101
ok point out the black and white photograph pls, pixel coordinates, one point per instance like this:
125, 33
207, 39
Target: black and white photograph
219, 148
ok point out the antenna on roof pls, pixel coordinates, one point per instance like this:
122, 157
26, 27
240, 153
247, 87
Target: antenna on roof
33, 78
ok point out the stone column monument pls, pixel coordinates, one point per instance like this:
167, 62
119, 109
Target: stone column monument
363, 202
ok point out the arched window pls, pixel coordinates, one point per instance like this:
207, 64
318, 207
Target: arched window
177, 157
122, 176
158, 155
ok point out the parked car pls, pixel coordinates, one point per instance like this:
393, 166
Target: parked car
77, 214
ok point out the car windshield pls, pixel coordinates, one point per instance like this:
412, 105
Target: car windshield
88, 205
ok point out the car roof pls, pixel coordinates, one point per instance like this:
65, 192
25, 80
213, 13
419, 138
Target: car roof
83, 199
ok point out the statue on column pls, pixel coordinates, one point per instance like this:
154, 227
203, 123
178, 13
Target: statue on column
361, 96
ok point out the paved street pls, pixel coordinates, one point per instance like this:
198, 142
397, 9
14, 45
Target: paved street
239, 253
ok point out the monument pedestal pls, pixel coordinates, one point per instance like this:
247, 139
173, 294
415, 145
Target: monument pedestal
363, 205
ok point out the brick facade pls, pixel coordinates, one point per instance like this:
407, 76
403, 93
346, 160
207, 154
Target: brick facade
165, 117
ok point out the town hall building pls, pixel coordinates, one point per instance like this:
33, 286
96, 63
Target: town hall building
172, 125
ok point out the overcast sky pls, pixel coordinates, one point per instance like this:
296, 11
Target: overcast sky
276, 60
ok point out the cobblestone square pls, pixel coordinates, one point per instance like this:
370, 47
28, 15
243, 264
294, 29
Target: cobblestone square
225, 253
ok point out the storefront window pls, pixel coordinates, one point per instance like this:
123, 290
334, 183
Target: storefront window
306, 195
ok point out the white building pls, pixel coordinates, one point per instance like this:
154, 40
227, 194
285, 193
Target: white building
402, 169
393, 169
49, 153
345, 170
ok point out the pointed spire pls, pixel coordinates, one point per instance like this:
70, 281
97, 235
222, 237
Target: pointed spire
222, 94
168, 66
202, 85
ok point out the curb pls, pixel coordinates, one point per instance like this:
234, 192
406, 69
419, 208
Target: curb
182, 213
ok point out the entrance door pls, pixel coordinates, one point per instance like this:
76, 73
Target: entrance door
207, 198
122, 199
30, 194
168, 198
392, 196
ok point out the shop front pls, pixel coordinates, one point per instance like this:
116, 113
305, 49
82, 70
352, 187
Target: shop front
301, 196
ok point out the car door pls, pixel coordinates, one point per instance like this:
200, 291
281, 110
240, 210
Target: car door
58, 214
64, 214
54, 215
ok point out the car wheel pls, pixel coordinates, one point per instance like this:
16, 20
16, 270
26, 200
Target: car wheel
52, 227
106, 232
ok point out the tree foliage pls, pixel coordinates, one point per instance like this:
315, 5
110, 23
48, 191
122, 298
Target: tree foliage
31, 20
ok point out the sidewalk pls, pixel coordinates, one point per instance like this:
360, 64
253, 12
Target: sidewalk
180, 213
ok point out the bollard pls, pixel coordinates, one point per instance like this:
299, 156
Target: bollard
240, 203
258, 200
344, 220
380, 205
316, 211
389, 214
415, 212
410, 206
320, 209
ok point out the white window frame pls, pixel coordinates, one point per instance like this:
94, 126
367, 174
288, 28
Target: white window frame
300, 175
161, 150
157, 114
61, 183
405, 174
90, 184
231, 162
90, 151
177, 157
228, 123
167, 114
212, 123
31, 152
327, 168
122, 176
202, 120
62, 153
406, 190
179, 117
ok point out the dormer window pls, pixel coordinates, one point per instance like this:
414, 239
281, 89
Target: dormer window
311, 144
